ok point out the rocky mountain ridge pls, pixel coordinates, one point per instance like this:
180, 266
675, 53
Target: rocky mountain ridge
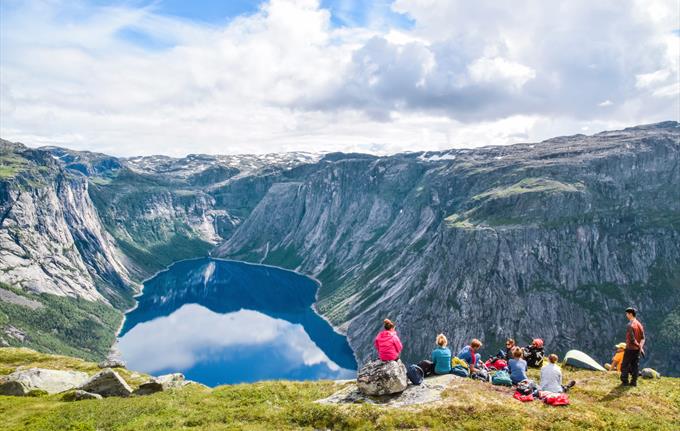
550, 239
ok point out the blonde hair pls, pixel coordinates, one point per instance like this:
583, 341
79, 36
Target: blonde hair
517, 352
441, 340
553, 358
475, 343
388, 324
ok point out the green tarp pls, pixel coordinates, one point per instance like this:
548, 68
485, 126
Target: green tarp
578, 359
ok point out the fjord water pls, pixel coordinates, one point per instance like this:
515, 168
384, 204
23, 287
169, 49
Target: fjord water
221, 322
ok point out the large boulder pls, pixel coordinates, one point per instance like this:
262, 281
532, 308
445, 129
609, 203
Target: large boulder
107, 383
162, 383
429, 391
382, 378
22, 382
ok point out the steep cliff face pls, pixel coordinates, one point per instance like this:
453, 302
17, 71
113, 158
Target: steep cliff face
51, 238
550, 240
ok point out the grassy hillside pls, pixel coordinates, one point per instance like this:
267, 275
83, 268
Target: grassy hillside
597, 403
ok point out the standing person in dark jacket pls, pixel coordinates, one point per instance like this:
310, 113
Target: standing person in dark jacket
635, 345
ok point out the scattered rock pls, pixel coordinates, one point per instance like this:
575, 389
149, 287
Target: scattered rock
429, 391
3, 342
38, 379
84, 395
382, 378
107, 383
15, 333
162, 383
112, 363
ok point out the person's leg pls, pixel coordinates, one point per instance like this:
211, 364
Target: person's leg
634, 367
568, 386
625, 365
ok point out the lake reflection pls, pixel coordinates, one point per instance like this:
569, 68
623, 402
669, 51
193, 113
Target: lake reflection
227, 322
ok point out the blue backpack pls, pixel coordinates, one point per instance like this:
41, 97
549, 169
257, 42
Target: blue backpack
460, 371
501, 378
415, 374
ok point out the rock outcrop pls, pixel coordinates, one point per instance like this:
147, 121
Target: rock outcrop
382, 378
428, 392
22, 382
162, 383
107, 383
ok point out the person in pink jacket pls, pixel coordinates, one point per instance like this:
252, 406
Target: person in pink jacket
387, 342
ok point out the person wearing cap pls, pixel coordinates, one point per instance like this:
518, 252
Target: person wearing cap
635, 345
617, 359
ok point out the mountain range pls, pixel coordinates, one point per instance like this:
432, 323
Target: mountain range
551, 239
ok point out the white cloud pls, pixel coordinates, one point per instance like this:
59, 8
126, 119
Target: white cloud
194, 334
497, 69
284, 78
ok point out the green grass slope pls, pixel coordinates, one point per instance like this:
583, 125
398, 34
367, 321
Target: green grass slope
597, 403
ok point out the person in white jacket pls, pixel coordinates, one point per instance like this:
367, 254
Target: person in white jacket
551, 377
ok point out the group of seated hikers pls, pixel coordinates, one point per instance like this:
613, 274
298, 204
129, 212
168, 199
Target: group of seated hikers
510, 363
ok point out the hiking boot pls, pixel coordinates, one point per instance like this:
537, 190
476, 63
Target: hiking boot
571, 384
625, 384
633, 384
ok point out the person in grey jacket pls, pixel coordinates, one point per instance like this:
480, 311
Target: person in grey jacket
551, 377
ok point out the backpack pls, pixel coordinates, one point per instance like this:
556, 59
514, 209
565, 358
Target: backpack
526, 387
460, 371
456, 361
427, 367
415, 374
501, 378
556, 399
497, 364
649, 373
481, 374
523, 398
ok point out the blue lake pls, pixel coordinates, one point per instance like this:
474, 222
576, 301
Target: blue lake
222, 322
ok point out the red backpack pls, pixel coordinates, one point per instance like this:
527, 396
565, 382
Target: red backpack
557, 400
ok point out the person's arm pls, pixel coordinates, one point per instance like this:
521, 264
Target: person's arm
397, 343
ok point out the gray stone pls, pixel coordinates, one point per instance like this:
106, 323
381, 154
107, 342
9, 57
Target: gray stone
84, 395
382, 378
51, 381
107, 383
14, 388
429, 391
112, 363
162, 383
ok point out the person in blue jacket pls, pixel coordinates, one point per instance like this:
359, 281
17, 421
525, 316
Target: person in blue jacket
469, 354
518, 366
441, 356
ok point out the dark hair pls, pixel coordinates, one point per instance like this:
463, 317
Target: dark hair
632, 311
388, 324
510, 340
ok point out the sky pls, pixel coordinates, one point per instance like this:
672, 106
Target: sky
141, 77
